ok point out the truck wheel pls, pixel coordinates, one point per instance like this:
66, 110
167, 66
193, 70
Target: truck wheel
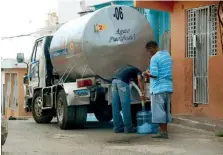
69, 117
81, 116
103, 114
39, 115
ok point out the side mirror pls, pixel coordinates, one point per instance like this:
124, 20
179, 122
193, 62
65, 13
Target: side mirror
25, 79
20, 57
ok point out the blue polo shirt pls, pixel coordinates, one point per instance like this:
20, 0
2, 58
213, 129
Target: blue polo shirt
161, 67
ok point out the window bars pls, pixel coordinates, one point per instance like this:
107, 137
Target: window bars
201, 21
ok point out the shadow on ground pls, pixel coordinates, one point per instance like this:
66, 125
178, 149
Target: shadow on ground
120, 138
90, 125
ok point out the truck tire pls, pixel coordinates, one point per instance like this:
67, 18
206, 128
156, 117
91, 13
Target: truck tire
69, 117
103, 114
39, 115
80, 116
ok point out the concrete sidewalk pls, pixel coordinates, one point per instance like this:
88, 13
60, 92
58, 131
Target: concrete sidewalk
203, 123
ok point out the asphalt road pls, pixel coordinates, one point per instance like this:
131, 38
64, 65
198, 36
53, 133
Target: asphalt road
28, 138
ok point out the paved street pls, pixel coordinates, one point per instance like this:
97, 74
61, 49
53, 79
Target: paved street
28, 138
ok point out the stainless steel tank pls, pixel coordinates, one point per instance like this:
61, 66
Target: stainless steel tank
101, 42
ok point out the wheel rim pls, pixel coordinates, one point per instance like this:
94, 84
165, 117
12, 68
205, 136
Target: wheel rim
60, 109
37, 106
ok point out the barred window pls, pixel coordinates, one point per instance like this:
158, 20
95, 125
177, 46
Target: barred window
201, 30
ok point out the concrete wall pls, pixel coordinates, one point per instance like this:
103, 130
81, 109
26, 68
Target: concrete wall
182, 69
155, 5
182, 102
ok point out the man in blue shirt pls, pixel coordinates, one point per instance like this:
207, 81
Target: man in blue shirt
161, 86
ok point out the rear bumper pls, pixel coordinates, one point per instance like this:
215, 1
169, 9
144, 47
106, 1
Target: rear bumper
73, 100
86, 100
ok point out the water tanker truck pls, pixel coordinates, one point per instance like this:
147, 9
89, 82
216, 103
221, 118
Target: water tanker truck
70, 71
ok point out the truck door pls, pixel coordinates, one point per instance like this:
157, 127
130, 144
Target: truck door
34, 80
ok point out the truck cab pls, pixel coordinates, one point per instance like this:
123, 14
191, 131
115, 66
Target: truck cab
39, 68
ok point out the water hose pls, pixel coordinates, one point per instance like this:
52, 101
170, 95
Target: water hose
140, 94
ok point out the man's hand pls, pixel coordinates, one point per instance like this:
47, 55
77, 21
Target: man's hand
143, 97
146, 73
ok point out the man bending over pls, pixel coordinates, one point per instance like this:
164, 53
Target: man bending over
121, 97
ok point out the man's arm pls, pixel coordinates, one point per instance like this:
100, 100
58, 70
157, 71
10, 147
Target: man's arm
147, 73
153, 73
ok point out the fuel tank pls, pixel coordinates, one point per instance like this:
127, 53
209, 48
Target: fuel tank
101, 42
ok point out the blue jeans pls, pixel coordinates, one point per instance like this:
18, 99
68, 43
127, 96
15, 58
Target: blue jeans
121, 99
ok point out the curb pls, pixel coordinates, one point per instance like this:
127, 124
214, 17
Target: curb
197, 125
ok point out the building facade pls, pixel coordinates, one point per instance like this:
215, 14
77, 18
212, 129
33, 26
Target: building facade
2, 91
13, 88
197, 55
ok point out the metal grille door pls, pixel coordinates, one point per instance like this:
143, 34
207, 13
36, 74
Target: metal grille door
15, 92
200, 62
8, 90
201, 43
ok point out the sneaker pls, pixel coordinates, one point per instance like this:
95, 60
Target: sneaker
163, 135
